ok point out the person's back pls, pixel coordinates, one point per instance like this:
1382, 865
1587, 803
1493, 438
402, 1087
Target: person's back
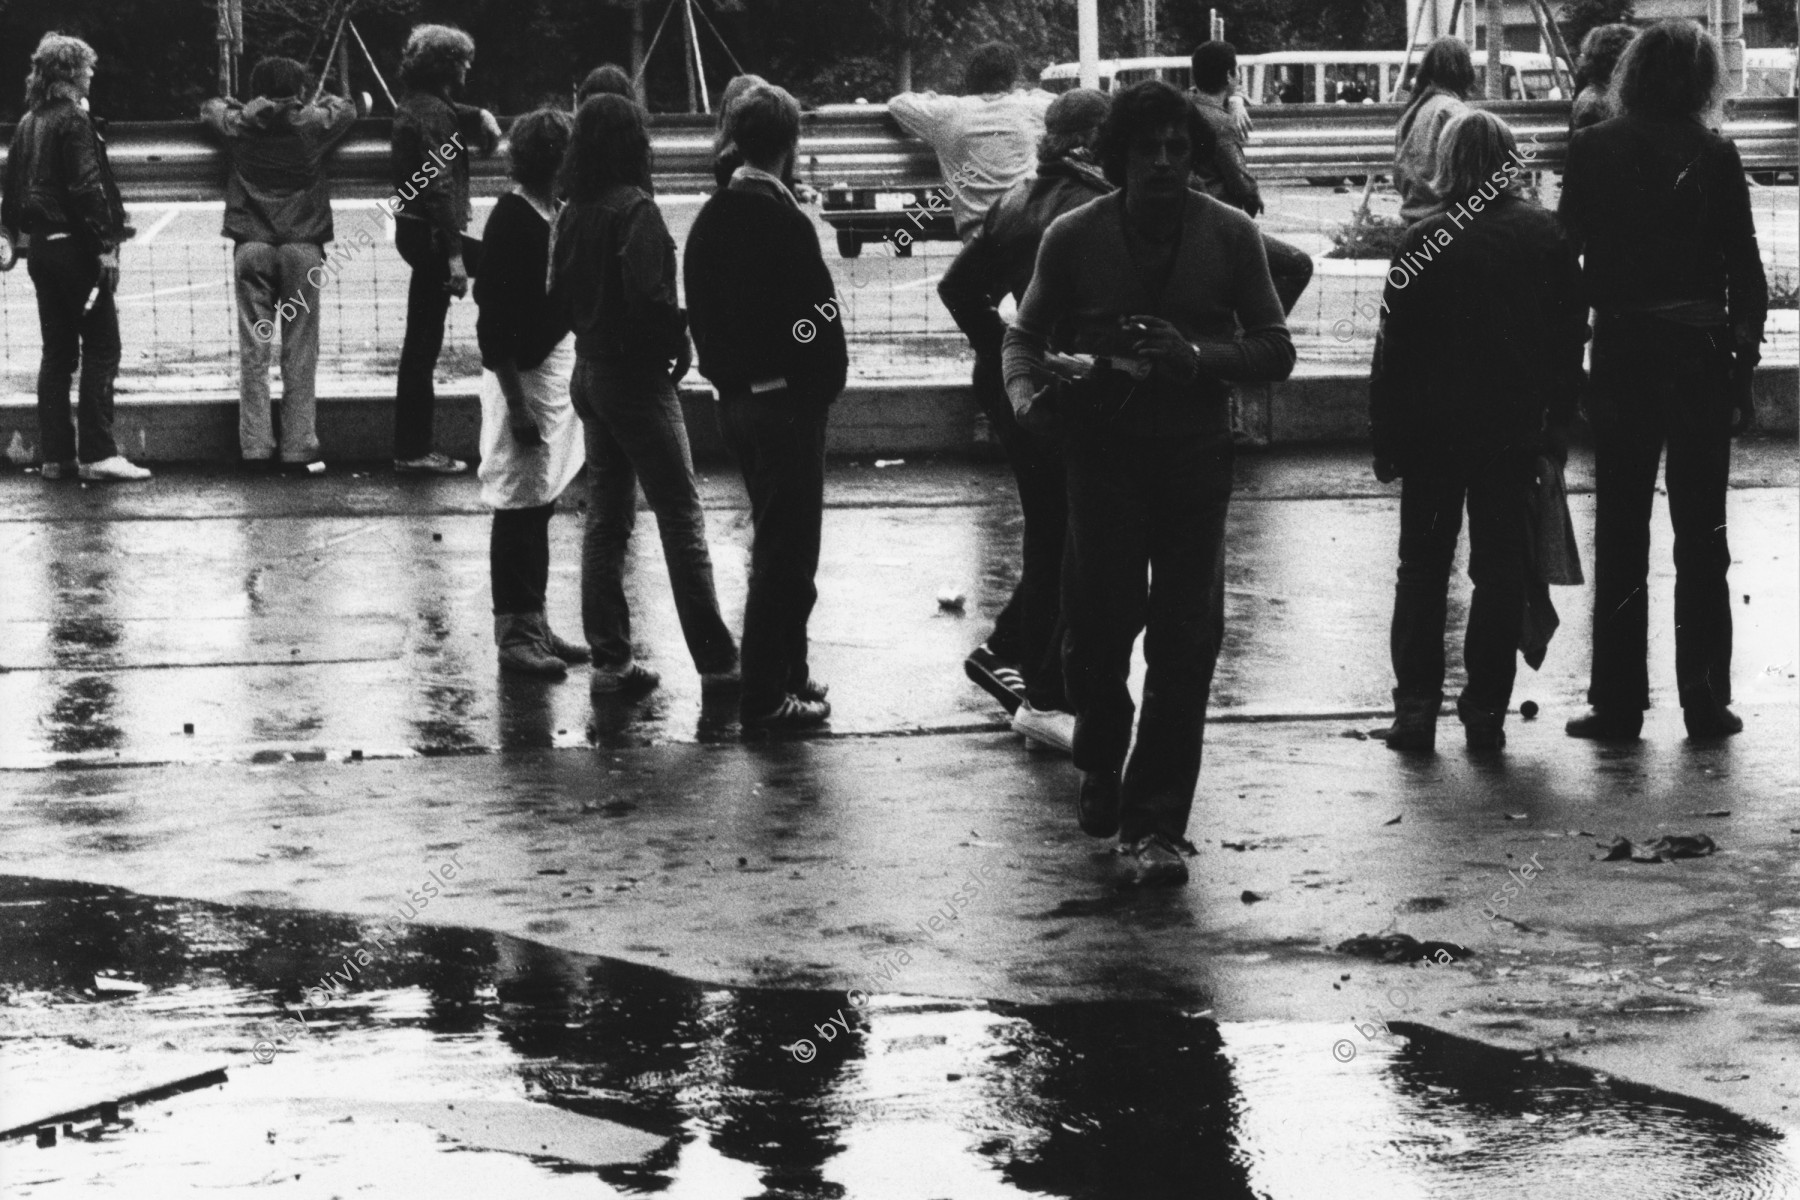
1592, 105
277, 191
613, 272
1415, 152
1660, 210
1016, 224
985, 141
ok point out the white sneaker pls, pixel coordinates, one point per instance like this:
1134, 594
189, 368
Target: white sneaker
116, 469
1047, 728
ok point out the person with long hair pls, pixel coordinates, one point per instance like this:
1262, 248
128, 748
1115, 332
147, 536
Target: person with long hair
1476, 375
1440, 91
1170, 291
1600, 51
60, 193
613, 276
1658, 205
433, 137
530, 438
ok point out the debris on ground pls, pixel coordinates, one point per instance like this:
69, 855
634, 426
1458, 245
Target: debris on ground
1667, 848
1395, 821
1400, 948
1250, 897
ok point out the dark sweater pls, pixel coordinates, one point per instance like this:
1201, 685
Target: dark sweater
1483, 341
515, 320
276, 192
753, 272
1085, 282
613, 278
1661, 214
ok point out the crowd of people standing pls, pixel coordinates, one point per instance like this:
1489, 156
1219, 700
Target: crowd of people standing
1124, 228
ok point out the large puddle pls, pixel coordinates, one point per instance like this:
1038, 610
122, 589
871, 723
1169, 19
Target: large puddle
458, 1062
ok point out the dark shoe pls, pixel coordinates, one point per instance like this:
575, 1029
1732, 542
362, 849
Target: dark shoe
1607, 725
569, 652
1415, 723
812, 689
998, 678
1712, 721
791, 713
1485, 731
1156, 861
1097, 804
633, 679
522, 649
57, 470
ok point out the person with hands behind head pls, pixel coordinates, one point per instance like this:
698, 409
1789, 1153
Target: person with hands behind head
433, 137
1658, 206
613, 275
1169, 291
530, 439
59, 191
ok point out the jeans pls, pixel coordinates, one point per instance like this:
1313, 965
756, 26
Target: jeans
1431, 508
519, 558
1290, 268
778, 439
634, 430
1146, 553
1655, 382
1029, 630
64, 272
274, 290
427, 305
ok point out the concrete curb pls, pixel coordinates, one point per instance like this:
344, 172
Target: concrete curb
870, 419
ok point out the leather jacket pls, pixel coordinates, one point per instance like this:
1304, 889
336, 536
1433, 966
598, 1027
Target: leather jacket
58, 177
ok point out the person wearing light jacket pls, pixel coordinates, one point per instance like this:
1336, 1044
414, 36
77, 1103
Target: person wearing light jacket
278, 214
1439, 92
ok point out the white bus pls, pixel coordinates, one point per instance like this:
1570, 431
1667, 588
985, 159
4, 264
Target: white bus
1316, 76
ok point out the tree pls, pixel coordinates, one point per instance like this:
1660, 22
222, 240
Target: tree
1577, 17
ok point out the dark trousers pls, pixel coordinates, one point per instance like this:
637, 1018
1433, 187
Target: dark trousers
1657, 382
1290, 268
778, 439
635, 434
1431, 512
427, 305
1146, 553
519, 558
64, 272
1029, 630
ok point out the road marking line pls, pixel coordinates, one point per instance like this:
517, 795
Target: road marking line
168, 219
153, 293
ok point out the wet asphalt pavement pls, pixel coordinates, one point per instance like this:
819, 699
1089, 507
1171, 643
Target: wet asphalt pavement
654, 919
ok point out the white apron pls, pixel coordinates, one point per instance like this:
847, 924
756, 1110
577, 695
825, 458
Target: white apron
515, 476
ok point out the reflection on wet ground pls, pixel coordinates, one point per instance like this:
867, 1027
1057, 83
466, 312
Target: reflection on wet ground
681, 1088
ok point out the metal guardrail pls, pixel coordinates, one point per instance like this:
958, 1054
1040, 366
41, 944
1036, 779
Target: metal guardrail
863, 147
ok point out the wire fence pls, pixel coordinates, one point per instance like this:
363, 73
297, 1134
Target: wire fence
179, 327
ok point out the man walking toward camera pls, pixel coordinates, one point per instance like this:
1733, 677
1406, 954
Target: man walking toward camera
766, 325
1170, 291
60, 193
278, 213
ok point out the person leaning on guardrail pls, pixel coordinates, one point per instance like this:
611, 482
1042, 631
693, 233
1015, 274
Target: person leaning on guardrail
1440, 90
1659, 207
986, 141
770, 338
1225, 175
612, 271
433, 135
59, 193
278, 216
1600, 51
1169, 289
607, 79
1476, 374
1020, 663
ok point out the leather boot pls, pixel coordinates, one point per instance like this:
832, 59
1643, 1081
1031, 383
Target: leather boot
1484, 729
520, 637
1415, 723
569, 652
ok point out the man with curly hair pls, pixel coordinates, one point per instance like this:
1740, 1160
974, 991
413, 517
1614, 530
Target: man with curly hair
59, 192
433, 134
